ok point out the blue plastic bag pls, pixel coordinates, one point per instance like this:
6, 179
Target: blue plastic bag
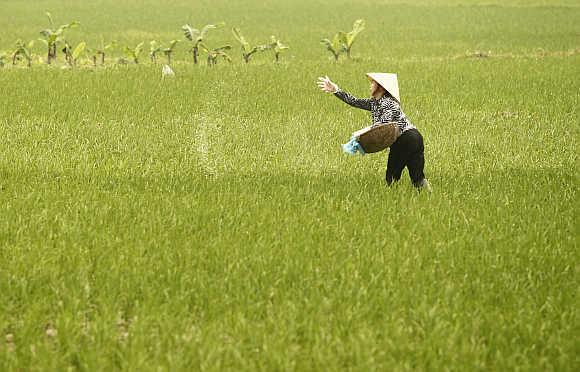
352, 146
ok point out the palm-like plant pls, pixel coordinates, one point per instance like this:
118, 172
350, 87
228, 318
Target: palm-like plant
72, 54
277, 46
92, 53
67, 50
52, 36
77, 52
22, 51
197, 37
154, 48
334, 46
347, 38
247, 49
133, 53
214, 54
169, 50
104, 48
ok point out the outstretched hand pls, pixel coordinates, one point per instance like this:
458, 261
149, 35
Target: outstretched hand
326, 85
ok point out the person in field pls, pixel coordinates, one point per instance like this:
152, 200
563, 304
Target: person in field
384, 105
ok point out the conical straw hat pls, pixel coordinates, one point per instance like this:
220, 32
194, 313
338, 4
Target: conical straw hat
387, 81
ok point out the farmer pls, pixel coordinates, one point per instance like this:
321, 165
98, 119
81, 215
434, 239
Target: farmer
407, 150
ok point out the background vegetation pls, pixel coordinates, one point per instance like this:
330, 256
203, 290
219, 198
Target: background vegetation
211, 222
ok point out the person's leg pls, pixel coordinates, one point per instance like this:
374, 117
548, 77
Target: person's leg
397, 160
416, 162
394, 169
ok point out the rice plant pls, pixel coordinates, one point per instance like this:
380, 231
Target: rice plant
183, 217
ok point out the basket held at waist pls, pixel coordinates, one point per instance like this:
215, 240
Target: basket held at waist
377, 137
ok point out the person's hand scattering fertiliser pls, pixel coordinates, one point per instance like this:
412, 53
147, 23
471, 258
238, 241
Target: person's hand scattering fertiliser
384, 105
326, 85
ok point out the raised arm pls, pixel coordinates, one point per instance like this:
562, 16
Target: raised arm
328, 86
361, 103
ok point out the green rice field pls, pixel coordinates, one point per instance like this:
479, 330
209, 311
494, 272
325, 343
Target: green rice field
210, 221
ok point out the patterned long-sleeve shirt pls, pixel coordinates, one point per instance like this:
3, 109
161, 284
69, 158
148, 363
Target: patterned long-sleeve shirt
384, 110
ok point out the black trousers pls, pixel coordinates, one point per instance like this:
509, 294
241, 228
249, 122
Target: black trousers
407, 151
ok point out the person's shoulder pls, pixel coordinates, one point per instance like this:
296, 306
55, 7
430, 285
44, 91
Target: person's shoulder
389, 101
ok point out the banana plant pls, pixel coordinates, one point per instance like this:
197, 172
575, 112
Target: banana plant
214, 54
72, 54
133, 53
277, 46
169, 50
100, 51
104, 48
52, 36
247, 49
154, 48
92, 53
197, 37
22, 51
347, 38
78, 52
334, 46
67, 50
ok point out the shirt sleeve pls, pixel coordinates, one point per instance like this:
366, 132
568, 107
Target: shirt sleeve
361, 103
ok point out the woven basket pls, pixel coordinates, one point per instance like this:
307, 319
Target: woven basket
377, 137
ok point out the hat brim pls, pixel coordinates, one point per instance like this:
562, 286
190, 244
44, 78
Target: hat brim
393, 93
